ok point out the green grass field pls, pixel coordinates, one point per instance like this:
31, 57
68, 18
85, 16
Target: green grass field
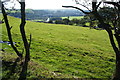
73, 17
62, 51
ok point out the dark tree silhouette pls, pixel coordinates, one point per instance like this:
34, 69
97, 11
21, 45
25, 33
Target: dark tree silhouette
9, 29
26, 44
22, 30
108, 27
23, 73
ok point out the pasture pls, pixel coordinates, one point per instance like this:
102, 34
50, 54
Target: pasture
73, 17
62, 51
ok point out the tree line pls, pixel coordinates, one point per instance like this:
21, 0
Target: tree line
107, 13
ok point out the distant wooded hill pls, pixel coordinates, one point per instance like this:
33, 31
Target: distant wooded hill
44, 14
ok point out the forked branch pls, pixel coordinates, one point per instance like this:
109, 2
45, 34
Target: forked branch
9, 30
82, 5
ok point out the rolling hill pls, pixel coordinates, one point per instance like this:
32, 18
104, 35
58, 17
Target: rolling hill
61, 51
43, 14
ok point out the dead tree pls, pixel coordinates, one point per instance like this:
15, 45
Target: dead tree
23, 73
9, 30
25, 41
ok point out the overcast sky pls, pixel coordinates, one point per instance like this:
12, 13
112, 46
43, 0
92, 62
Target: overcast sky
43, 4
53, 4
47, 4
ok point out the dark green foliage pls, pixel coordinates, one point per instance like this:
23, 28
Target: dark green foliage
107, 13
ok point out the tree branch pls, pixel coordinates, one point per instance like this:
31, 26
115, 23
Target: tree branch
9, 30
77, 8
98, 5
117, 4
82, 5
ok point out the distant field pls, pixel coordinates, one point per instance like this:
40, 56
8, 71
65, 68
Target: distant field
63, 51
73, 17
37, 20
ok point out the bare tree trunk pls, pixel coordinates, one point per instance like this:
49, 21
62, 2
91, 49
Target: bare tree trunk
9, 32
117, 51
22, 30
116, 75
117, 71
23, 74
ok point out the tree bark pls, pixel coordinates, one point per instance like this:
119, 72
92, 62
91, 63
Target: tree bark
118, 39
23, 74
22, 30
116, 75
116, 50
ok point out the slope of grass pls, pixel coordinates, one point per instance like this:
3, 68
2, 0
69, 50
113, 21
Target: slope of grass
64, 51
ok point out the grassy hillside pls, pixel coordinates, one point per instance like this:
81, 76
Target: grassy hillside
62, 51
